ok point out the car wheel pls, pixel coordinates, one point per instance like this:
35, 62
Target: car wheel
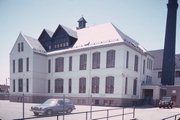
36, 114
171, 106
49, 112
69, 110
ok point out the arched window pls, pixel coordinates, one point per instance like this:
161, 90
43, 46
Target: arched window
109, 84
110, 59
20, 65
59, 83
59, 64
95, 85
83, 62
96, 60
82, 85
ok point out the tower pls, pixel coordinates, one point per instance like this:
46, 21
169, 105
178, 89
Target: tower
82, 23
168, 68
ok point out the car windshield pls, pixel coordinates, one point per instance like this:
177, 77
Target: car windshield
50, 102
166, 99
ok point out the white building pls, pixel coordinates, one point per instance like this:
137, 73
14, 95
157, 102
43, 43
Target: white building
99, 62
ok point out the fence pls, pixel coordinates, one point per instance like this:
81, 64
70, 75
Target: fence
89, 115
174, 117
86, 115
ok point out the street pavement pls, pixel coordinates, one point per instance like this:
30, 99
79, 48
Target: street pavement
13, 110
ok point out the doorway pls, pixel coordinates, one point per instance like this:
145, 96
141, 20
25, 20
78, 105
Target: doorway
148, 96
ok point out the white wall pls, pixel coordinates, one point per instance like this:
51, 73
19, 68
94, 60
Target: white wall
39, 73
102, 73
39, 76
15, 55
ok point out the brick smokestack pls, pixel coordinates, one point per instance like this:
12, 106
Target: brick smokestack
168, 69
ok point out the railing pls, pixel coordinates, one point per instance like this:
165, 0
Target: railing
174, 117
89, 115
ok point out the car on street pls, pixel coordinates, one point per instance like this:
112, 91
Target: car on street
166, 102
52, 106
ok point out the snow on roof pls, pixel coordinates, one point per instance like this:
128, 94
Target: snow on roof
115, 41
89, 37
104, 32
34, 44
50, 33
71, 32
95, 34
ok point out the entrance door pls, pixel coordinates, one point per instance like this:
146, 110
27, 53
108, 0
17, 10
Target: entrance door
148, 97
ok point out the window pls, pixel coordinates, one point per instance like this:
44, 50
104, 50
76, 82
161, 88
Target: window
19, 47
127, 59
60, 44
49, 86
49, 47
110, 59
57, 45
14, 66
22, 46
144, 63
49, 66
67, 43
136, 63
109, 84
20, 65
126, 85
59, 85
14, 86
95, 85
59, 64
27, 64
149, 64
27, 85
70, 63
96, 60
177, 73
82, 85
64, 44
148, 80
159, 74
20, 85
83, 62
135, 87
70, 86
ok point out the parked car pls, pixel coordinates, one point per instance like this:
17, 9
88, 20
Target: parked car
52, 106
166, 102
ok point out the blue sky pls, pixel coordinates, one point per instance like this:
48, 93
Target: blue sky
142, 20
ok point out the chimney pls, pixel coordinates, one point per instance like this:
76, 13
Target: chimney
168, 68
82, 23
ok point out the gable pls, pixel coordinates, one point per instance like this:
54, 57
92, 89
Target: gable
59, 33
20, 40
44, 36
